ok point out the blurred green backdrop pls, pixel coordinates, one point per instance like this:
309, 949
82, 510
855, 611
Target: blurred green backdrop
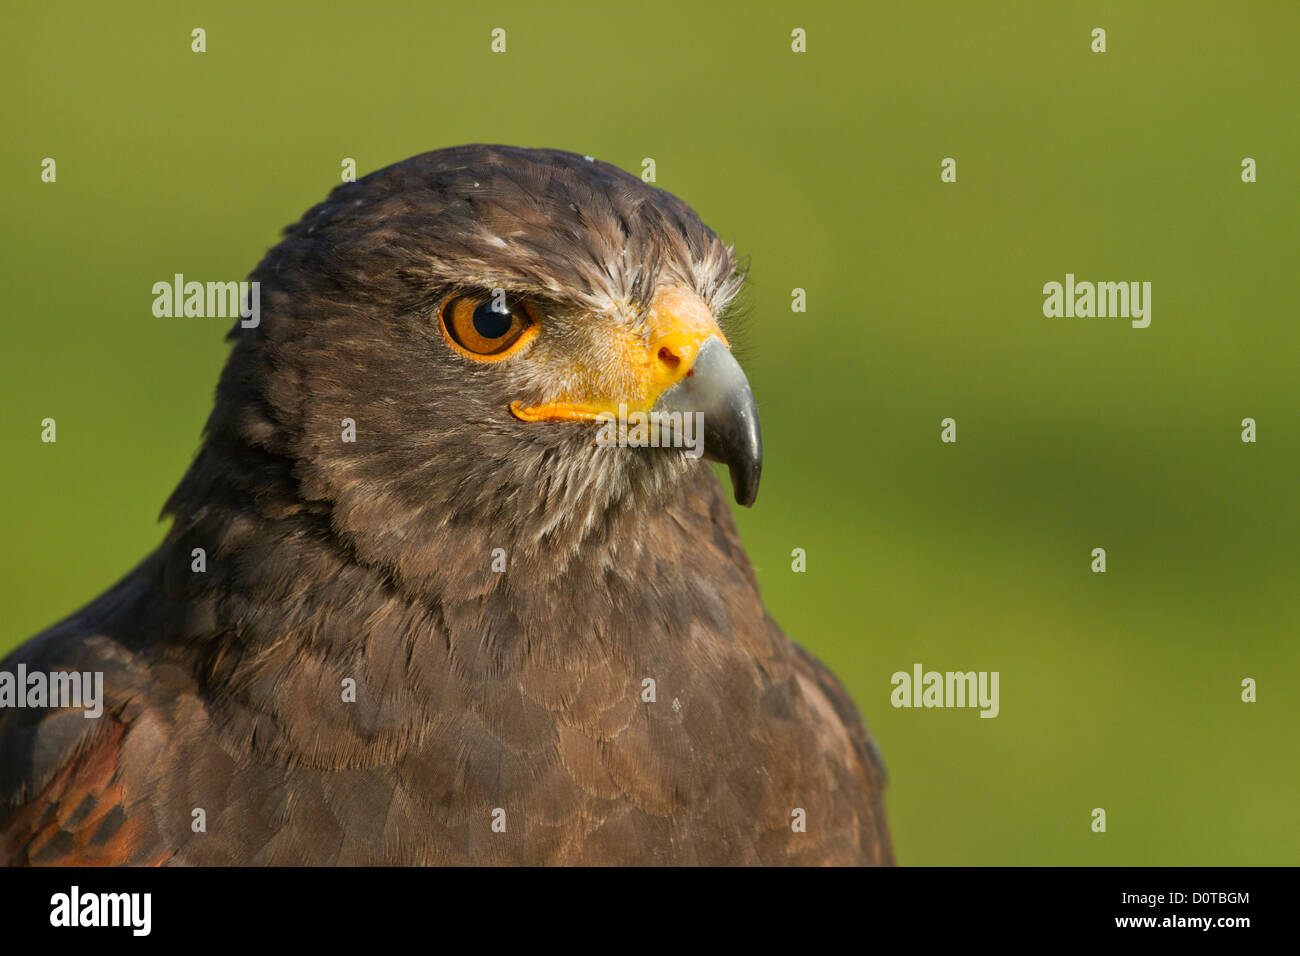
1120, 690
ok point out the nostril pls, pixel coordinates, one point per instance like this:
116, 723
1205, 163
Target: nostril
669, 358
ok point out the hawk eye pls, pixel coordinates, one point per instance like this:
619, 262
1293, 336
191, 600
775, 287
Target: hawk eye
486, 328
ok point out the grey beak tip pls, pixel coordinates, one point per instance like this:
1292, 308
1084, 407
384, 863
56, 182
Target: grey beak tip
718, 389
744, 454
744, 482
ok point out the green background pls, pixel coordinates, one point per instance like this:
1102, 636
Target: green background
1118, 690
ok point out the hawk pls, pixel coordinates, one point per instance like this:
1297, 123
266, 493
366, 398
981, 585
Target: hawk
410, 610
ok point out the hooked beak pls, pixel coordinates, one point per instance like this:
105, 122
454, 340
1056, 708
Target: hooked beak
717, 388
682, 366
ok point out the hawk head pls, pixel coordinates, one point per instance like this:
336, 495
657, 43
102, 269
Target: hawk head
479, 314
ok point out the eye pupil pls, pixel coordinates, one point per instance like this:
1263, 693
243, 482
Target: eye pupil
491, 323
